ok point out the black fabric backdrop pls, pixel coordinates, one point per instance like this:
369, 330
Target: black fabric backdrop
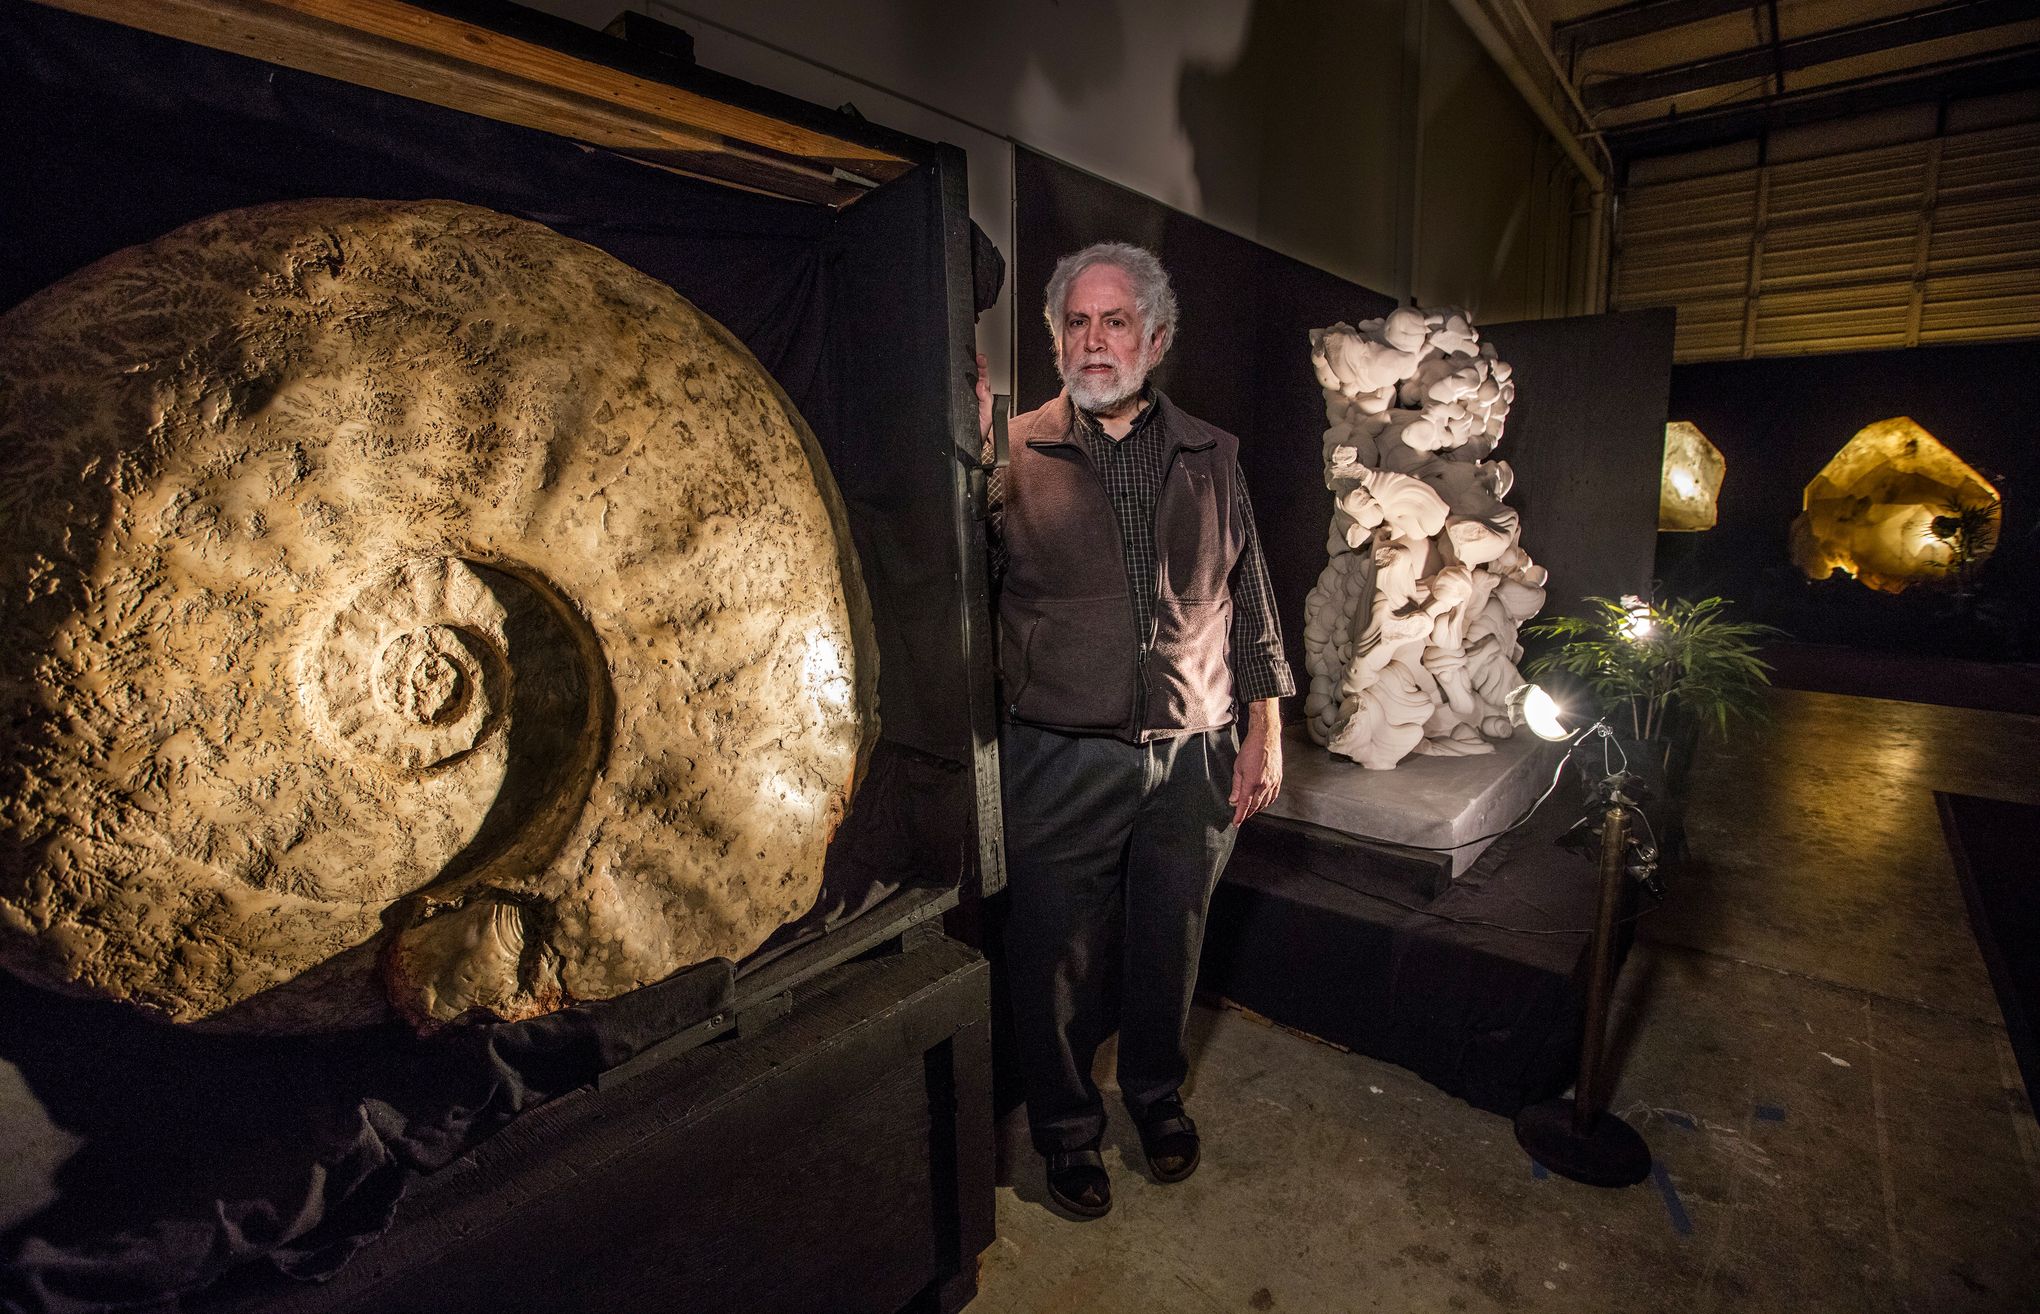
1480, 991
197, 1152
1586, 438
114, 137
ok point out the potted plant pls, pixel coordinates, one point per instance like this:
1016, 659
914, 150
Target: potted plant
1970, 529
1662, 673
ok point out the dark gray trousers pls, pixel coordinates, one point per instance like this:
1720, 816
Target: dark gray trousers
1112, 850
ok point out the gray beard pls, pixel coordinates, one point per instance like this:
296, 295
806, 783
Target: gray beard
1105, 394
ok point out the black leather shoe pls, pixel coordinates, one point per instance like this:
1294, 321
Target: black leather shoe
1077, 1182
1169, 1139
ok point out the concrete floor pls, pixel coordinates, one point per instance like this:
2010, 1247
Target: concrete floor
1808, 1041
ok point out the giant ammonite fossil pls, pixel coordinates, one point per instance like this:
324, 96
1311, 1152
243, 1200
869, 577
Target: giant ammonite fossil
406, 591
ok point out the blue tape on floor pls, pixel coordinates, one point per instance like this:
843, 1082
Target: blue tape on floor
1770, 1113
1681, 1120
1538, 1171
1682, 1223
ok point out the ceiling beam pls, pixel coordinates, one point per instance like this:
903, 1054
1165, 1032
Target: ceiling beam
2006, 70
1638, 18
422, 54
1943, 20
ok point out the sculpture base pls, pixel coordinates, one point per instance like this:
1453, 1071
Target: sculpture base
1472, 1005
1609, 1152
1424, 803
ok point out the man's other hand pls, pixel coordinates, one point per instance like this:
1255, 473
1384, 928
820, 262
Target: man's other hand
1257, 771
984, 398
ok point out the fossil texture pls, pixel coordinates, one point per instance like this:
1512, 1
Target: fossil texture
1410, 632
406, 591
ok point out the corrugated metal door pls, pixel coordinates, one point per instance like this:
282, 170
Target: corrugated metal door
1931, 241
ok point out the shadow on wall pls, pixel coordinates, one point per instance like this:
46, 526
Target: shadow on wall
1098, 85
1477, 238
1325, 130
1095, 84
1378, 140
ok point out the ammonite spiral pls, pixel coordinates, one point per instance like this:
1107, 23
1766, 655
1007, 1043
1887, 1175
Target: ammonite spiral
406, 589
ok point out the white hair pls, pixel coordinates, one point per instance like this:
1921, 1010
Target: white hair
1153, 298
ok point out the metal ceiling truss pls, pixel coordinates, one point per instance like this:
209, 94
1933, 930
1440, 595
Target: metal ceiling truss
1802, 52
2005, 70
1639, 18
1761, 68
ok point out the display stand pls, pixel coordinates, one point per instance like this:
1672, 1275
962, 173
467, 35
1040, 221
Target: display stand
808, 1129
838, 1158
1437, 812
1479, 990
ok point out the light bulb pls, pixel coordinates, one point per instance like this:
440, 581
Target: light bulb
1532, 707
1642, 622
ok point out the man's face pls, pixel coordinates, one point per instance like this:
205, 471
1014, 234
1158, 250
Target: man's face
1106, 352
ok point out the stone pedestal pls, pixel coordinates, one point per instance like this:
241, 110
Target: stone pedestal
1424, 802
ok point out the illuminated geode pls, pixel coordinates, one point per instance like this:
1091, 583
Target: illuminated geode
1890, 509
1691, 481
406, 598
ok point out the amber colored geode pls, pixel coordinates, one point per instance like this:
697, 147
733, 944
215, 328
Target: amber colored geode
1880, 509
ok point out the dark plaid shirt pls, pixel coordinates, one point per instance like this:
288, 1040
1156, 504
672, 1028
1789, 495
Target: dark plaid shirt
1132, 470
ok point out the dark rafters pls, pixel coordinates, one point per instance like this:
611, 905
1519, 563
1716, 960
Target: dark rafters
2010, 69
1777, 58
1638, 18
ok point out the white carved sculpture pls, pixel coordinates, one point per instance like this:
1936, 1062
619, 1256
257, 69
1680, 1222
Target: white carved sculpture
406, 598
1410, 633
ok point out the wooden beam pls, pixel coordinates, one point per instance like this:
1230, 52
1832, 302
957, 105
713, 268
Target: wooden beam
1802, 52
395, 47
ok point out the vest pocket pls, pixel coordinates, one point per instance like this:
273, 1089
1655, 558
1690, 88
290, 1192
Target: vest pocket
1012, 656
1192, 674
1068, 663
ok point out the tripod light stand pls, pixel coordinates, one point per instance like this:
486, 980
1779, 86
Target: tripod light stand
1578, 1138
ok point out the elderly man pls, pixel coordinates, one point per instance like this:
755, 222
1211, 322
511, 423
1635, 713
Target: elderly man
1135, 620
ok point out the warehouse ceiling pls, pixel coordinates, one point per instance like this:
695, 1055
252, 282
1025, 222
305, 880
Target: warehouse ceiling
1655, 77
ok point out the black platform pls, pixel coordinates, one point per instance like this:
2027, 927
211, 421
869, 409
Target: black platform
1478, 990
838, 1159
1992, 842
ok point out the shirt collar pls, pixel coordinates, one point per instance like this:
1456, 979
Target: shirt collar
1151, 397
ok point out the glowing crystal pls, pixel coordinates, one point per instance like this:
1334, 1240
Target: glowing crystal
1692, 480
1890, 510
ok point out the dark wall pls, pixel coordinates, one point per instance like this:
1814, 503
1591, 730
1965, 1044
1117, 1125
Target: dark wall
1777, 422
1586, 438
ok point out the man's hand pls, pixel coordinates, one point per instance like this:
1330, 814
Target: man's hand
1257, 772
984, 396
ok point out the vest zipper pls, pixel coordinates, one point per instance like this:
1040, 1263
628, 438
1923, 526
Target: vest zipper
1155, 602
1140, 646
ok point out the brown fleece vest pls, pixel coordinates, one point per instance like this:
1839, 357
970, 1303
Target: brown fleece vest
1068, 657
